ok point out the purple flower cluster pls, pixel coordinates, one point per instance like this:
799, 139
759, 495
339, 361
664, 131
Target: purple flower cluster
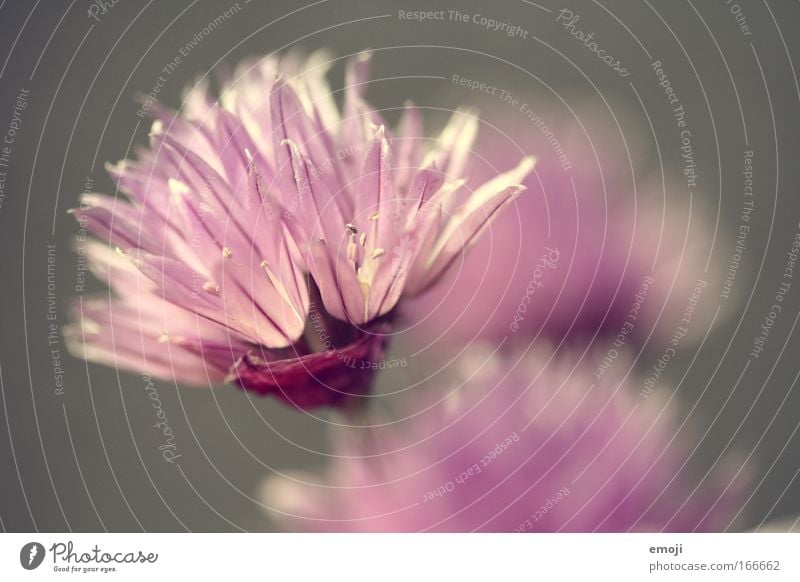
518, 442
247, 215
271, 240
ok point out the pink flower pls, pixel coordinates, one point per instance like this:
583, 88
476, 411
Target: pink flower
516, 443
244, 219
571, 257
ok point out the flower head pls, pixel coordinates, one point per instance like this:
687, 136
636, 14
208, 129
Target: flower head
516, 443
247, 215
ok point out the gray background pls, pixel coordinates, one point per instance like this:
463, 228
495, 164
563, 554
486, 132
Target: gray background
88, 460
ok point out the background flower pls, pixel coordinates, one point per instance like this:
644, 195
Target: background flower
613, 229
529, 442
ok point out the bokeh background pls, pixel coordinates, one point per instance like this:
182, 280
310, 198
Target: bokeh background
88, 458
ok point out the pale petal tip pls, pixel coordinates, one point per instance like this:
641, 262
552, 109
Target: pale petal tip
321, 59
378, 130
115, 168
156, 129
528, 163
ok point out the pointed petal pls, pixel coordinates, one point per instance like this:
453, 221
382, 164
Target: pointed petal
472, 217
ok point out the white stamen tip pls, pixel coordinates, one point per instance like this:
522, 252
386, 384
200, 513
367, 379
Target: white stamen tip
226, 252
377, 253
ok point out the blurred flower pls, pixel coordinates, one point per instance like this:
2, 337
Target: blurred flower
571, 257
248, 217
519, 443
